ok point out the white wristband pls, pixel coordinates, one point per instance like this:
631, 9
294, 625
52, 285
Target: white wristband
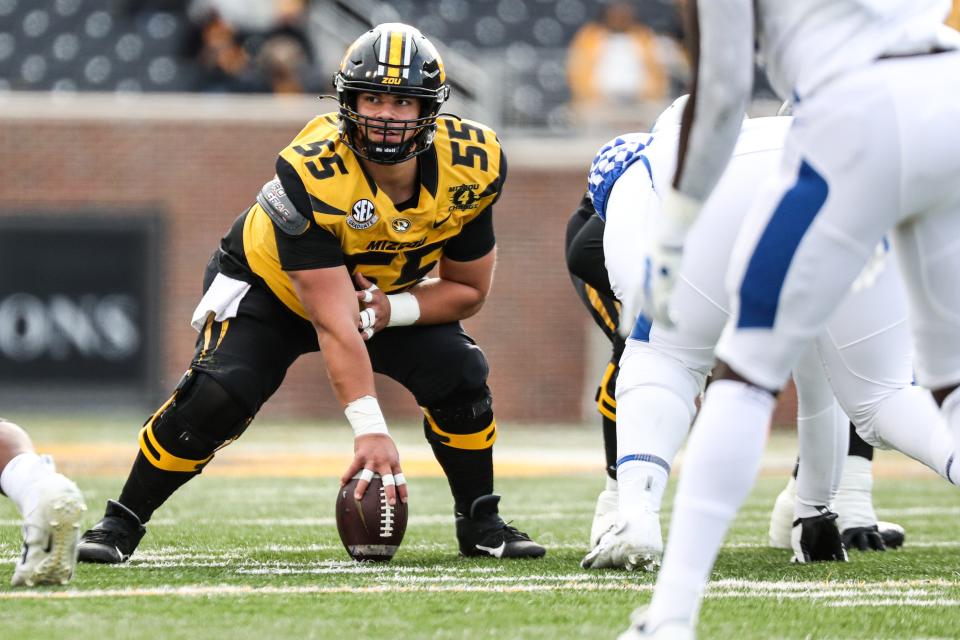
365, 416
404, 309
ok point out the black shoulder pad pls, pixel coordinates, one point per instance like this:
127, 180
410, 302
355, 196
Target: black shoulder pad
274, 200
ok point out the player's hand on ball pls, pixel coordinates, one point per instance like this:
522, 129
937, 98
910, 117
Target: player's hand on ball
376, 453
374, 307
370, 529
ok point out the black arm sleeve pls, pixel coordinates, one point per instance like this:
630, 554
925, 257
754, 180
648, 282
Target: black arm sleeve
502, 178
315, 248
474, 241
585, 259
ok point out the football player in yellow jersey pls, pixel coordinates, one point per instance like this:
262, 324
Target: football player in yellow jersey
334, 256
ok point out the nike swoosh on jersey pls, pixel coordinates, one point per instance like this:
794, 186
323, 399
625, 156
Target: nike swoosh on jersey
437, 224
496, 552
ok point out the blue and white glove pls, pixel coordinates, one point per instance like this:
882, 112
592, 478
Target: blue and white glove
665, 253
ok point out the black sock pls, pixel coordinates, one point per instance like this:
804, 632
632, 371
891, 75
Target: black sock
610, 446
857, 445
469, 472
148, 487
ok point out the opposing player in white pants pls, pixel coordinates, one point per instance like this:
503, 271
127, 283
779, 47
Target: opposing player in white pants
865, 349
872, 151
51, 506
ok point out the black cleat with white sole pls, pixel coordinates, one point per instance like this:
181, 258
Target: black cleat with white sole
892, 533
879, 537
113, 539
484, 533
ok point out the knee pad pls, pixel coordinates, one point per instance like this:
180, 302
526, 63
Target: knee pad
607, 392
884, 420
642, 365
474, 371
198, 419
467, 423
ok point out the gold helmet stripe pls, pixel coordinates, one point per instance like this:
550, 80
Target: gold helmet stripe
395, 54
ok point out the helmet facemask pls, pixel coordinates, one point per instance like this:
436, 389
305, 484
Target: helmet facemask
356, 128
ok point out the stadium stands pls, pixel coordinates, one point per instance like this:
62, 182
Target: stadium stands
116, 45
90, 45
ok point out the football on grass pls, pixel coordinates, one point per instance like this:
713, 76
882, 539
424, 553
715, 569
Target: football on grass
370, 529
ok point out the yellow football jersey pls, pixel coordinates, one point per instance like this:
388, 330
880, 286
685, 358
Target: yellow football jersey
461, 175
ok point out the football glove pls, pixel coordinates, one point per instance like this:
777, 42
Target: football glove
817, 539
665, 253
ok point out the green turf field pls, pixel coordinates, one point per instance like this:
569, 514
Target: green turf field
236, 555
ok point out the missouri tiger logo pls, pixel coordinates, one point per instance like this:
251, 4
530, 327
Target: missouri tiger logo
364, 215
400, 224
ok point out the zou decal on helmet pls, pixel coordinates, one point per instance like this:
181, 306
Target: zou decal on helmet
396, 59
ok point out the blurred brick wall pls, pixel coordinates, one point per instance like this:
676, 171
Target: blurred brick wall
201, 175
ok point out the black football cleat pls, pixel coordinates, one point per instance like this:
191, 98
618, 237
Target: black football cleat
879, 537
863, 539
113, 539
485, 533
892, 533
817, 539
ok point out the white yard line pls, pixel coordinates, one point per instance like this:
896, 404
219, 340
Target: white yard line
747, 518
895, 602
893, 593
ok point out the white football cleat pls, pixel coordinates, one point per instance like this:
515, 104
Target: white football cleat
667, 630
630, 545
781, 518
50, 534
604, 515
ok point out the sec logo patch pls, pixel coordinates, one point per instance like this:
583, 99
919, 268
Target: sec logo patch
363, 215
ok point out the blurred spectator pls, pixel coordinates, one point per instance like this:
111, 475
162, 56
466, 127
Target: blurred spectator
255, 46
224, 64
282, 60
245, 16
615, 67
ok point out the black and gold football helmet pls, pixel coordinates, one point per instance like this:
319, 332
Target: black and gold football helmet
397, 59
